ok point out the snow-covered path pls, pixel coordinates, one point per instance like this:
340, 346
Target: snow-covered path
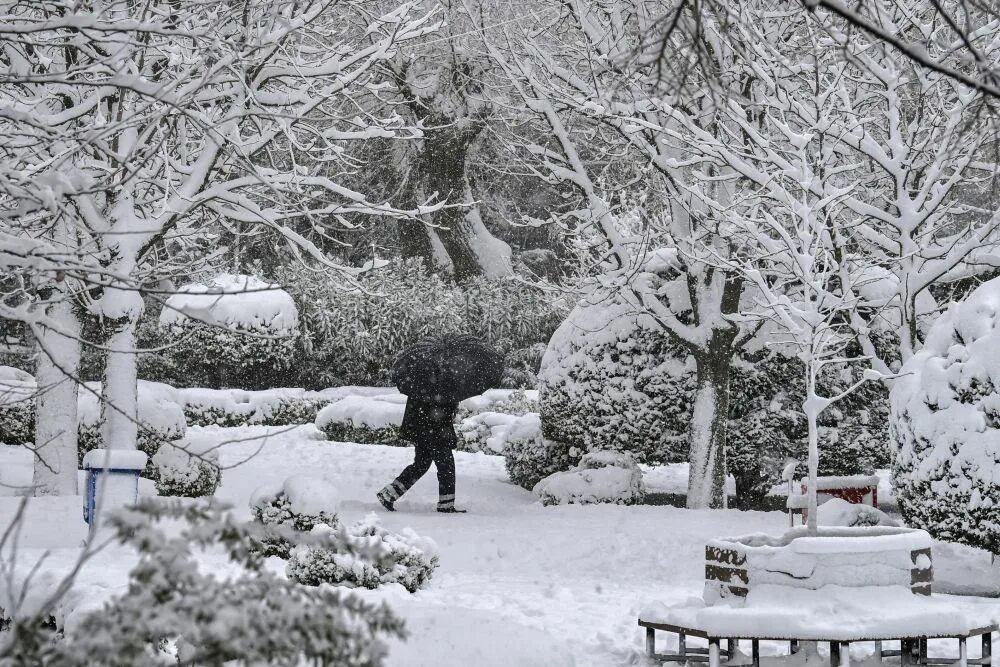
518, 584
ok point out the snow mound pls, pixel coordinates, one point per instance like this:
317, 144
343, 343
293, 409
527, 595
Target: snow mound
445, 635
307, 494
158, 408
489, 432
601, 477
494, 400
235, 302
946, 425
839, 512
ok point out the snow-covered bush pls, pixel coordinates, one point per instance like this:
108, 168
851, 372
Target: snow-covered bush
529, 457
186, 469
601, 477
352, 336
249, 616
299, 503
238, 330
367, 419
236, 407
611, 381
161, 419
376, 557
17, 406
945, 425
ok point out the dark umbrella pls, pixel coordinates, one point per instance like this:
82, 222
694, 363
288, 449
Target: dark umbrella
447, 369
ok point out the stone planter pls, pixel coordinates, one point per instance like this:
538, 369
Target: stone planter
851, 557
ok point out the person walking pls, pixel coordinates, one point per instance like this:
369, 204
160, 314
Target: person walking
436, 373
430, 427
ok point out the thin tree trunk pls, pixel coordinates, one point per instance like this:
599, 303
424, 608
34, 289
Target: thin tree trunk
119, 393
709, 425
55, 469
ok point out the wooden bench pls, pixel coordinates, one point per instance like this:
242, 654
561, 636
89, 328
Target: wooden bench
912, 651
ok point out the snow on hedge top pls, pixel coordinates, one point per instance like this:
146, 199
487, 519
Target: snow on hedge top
364, 411
16, 386
233, 301
950, 392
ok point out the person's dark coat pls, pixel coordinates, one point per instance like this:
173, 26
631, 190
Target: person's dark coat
426, 421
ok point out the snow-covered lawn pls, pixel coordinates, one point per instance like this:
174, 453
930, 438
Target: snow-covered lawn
518, 584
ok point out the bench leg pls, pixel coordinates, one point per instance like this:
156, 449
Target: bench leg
922, 650
713, 652
731, 646
650, 642
905, 652
963, 653
834, 654
755, 652
988, 646
682, 645
878, 652
793, 647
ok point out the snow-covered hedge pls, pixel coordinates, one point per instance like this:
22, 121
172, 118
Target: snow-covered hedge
236, 407
529, 457
186, 469
601, 477
241, 327
299, 503
352, 336
946, 425
367, 419
376, 557
17, 406
161, 419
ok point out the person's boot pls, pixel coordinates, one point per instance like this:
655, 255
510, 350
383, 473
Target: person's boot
447, 506
386, 500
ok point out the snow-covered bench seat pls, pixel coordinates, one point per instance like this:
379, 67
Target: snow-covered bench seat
835, 615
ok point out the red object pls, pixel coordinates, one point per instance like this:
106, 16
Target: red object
856, 495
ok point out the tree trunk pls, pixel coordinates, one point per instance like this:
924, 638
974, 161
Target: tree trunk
120, 393
709, 423
55, 470
459, 231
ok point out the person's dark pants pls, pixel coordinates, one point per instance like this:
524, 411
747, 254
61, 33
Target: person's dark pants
438, 452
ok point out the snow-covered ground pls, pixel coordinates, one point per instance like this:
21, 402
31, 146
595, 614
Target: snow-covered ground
518, 583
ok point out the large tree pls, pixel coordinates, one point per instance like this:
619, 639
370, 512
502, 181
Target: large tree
139, 124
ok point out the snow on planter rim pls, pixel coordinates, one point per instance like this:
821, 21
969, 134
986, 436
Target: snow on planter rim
833, 539
235, 301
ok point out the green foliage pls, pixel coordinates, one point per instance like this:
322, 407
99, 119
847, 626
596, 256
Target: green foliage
17, 422
220, 357
352, 337
180, 473
277, 510
529, 460
382, 557
347, 432
252, 615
